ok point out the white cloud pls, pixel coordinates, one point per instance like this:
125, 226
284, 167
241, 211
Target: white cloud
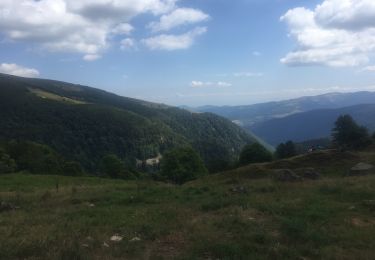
346, 14
174, 42
197, 84
223, 84
180, 16
128, 44
248, 74
85, 26
202, 84
115, 10
123, 28
336, 33
17, 70
91, 57
369, 68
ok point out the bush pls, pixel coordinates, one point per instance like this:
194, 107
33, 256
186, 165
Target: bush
286, 150
181, 165
347, 134
113, 167
73, 169
254, 153
7, 164
35, 158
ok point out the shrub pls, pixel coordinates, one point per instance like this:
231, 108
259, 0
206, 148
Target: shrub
73, 169
347, 134
34, 157
7, 164
286, 150
113, 167
254, 153
181, 165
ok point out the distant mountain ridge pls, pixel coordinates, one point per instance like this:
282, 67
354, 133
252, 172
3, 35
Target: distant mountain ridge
249, 115
314, 124
84, 123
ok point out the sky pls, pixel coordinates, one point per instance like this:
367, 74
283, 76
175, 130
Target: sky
194, 52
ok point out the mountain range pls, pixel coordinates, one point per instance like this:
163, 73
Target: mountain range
313, 124
299, 119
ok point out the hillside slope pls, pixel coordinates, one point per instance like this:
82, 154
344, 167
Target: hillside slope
311, 125
84, 123
241, 214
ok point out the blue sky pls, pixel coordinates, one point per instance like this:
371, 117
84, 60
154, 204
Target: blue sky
196, 52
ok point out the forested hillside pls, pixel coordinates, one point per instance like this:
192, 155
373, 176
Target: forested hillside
84, 124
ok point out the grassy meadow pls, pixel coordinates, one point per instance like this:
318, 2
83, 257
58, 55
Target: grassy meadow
241, 214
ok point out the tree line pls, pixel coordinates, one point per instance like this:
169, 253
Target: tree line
178, 165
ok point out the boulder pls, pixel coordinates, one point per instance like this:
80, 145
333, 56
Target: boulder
116, 238
286, 175
361, 169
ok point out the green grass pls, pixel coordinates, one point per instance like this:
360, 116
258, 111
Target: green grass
332, 218
48, 95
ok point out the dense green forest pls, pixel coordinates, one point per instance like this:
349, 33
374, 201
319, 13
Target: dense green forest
84, 124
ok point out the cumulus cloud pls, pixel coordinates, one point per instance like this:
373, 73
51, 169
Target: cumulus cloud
180, 16
17, 70
128, 44
84, 26
369, 68
336, 33
201, 84
91, 57
123, 28
174, 42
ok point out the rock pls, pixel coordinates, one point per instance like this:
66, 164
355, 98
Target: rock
90, 205
135, 239
116, 238
308, 173
85, 245
105, 244
286, 175
361, 169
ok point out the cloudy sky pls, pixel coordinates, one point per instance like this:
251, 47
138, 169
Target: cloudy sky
194, 52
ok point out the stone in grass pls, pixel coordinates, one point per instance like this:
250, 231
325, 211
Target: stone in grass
116, 238
286, 175
135, 239
361, 169
239, 189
